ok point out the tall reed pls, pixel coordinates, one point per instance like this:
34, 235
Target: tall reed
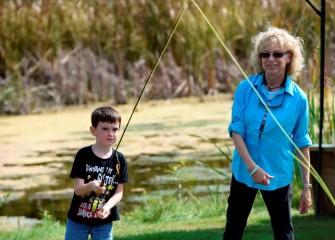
38, 39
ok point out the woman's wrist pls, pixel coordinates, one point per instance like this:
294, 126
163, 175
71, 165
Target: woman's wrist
307, 186
254, 170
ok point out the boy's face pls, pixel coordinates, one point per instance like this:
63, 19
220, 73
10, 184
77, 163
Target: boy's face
106, 133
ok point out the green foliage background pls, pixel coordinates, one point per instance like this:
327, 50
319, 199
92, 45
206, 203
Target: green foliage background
55, 53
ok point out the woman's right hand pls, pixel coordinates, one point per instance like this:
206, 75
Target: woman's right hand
261, 177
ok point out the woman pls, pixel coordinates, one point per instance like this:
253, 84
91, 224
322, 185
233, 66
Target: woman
269, 123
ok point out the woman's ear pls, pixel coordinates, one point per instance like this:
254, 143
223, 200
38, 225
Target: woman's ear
289, 57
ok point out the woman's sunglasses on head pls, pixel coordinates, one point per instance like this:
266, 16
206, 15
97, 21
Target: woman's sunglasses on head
276, 54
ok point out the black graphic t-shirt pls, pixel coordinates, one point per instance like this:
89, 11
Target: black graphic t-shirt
90, 167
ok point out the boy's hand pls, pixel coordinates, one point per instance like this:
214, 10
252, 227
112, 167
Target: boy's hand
103, 213
97, 188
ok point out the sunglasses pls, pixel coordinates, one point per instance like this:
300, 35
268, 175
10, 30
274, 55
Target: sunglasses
276, 54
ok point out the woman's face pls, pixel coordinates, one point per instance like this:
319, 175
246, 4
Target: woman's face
274, 59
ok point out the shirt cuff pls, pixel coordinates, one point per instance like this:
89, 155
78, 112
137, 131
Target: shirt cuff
236, 127
303, 141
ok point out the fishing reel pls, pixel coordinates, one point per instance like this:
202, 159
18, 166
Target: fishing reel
95, 204
97, 200
100, 199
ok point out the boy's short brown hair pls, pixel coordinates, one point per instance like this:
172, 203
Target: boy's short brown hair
105, 114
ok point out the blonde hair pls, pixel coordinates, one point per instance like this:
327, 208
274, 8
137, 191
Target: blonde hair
288, 42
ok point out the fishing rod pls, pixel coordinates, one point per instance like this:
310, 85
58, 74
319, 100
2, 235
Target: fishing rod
315, 173
232, 57
98, 199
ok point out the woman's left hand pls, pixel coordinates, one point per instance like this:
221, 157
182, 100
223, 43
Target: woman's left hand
305, 201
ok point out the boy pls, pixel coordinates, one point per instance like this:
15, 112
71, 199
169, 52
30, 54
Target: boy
98, 180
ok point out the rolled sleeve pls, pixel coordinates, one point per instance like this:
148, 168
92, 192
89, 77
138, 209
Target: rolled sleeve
237, 123
303, 141
300, 132
237, 126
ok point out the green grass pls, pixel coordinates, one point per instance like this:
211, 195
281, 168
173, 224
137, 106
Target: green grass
50, 230
307, 227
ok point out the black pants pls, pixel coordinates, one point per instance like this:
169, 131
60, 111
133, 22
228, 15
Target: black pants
240, 201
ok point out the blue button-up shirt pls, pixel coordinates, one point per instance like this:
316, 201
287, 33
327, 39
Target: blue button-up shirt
270, 148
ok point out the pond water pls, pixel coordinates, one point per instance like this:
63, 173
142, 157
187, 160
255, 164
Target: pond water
161, 136
149, 176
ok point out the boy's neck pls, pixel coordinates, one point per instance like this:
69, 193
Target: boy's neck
102, 152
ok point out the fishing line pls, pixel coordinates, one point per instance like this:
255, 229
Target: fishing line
138, 100
300, 19
313, 171
151, 74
